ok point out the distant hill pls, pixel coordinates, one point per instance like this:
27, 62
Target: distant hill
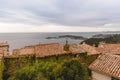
114, 38
111, 31
102, 35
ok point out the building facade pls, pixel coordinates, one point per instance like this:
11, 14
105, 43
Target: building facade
5, 47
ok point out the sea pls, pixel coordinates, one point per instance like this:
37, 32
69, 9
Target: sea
19, 40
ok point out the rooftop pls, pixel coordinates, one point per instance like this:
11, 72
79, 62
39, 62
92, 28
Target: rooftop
80, 48
3, 44
107, 64
109, 48
41, 50
49, 49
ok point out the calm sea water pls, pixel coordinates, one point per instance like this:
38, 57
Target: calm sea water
18, 40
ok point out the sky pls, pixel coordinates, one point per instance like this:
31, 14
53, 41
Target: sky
59, 15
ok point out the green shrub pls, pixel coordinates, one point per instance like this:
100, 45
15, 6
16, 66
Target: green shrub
65, 67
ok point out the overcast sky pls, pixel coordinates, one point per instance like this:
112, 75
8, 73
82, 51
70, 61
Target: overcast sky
59, 15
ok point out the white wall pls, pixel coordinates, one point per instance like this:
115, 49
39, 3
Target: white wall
99, 76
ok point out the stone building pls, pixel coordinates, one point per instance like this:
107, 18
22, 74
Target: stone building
106, 67
15, 51
1, 54
5, 47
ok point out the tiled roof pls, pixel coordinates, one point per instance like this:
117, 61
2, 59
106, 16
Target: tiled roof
109, 48
27, 50
41, 50
80, 48
107, 64
3, 44
76, 48
49, 49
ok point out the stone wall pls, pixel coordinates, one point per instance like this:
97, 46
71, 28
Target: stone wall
1, 54
5, 47
99, 76
16, 52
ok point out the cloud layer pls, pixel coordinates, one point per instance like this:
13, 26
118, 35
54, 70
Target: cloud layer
63, 15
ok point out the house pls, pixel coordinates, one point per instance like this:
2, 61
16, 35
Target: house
106, 67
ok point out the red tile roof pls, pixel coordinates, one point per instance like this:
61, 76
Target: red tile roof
28, 50
3, 44
80, 48
107, 64
49, 49
41, 50
109, 48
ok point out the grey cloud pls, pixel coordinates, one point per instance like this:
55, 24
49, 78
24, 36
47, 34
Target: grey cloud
64, 12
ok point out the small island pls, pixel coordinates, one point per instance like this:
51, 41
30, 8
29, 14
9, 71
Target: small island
68, 36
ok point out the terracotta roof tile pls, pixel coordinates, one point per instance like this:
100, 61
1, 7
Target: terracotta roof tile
49, 49
108, 64
80, 48
4, 44
41, 50
109, 48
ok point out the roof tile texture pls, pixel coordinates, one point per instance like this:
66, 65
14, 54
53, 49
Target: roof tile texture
109, 48
108, 64
80, 48
41, 50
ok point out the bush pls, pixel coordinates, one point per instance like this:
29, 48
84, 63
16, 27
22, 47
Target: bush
71, 70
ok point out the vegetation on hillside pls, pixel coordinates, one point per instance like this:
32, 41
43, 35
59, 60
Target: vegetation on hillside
67, 70
58, 67
1, 70
95, 41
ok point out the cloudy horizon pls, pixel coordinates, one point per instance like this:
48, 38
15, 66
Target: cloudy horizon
59, 15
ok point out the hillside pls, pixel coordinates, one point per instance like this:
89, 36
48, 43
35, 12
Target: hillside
95, 41
102, 35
